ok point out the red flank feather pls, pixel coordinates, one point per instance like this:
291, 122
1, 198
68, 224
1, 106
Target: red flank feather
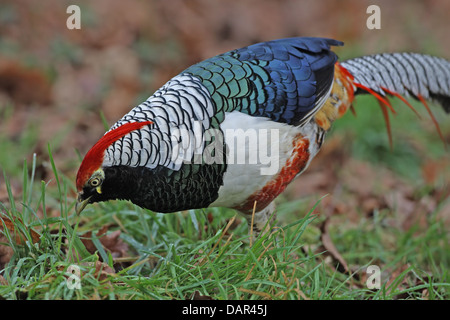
293, 166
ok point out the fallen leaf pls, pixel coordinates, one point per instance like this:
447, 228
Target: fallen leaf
401, 285
111, 242
3, 281
6, 252
102, 270
16, 81
197, 296
432, 169
19, 237
331, 248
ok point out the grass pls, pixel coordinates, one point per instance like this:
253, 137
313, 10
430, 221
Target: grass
205, 252
175, 257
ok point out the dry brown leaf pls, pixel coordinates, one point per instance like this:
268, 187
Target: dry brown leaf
24, 85
432, 169
102, 270
406, 282
331, 248
3, 281
197, 296
111, 242
444, 215
402, 284
19, 238
6, 252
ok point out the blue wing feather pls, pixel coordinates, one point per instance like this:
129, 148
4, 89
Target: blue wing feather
283, 80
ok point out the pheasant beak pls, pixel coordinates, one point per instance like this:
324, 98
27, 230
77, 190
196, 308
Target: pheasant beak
81, 203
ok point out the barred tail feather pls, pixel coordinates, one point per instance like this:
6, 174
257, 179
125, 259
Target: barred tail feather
407, 74
419, 76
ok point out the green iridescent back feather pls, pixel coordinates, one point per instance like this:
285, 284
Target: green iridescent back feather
282, 80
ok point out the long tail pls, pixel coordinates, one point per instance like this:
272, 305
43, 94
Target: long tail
402, 75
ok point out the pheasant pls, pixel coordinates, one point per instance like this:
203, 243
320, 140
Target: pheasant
234, 130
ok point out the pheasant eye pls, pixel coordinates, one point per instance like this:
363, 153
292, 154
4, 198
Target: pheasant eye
95, 182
